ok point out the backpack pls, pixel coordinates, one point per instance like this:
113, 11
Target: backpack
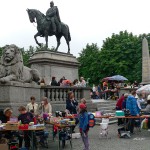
91, 119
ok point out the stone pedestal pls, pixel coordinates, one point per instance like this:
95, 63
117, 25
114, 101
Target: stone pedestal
56, 64
126, 90
18, 94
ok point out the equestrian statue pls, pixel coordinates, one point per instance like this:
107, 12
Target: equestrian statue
49, 25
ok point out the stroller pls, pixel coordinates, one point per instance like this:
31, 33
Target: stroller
104, 128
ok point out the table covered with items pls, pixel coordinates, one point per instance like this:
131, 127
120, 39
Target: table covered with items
62, 125
13, 128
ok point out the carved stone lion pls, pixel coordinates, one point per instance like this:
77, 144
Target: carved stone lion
12, 68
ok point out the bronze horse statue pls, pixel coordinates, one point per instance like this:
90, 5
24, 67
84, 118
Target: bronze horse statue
44, 28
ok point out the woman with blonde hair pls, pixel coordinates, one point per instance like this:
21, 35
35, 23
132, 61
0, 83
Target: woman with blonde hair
45, 106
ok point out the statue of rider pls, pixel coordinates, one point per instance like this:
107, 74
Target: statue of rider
52, 15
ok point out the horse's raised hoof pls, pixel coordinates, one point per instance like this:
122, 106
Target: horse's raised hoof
40, 44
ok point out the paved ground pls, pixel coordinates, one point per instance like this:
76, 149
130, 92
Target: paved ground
138, 141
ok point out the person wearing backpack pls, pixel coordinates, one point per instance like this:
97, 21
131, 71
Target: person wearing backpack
84, 125
132, 106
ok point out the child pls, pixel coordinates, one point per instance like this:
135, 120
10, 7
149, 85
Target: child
83, 125
25, 118
83, 101
34, 117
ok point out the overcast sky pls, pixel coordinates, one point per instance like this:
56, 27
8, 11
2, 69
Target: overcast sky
90, 21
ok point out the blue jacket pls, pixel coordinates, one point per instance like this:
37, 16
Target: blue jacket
131, 104
84, 121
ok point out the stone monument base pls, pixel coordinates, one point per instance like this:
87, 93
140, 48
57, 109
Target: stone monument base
57, 64
145, 83
17, 94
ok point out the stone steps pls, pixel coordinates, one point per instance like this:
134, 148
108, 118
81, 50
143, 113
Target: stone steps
61, 106
107, 107
106, 104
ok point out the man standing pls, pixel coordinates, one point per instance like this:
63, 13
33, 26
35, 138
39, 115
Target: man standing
52, 15
131, 104
32, 106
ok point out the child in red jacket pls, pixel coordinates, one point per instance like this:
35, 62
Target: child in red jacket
84, 125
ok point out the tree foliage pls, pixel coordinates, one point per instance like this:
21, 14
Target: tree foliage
26, 54
89, 62
120, 54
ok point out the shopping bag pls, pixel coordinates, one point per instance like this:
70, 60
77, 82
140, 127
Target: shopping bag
144, 124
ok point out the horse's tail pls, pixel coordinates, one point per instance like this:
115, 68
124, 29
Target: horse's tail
69, 36
65, 31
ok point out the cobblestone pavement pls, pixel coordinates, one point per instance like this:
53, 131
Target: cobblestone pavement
138, 141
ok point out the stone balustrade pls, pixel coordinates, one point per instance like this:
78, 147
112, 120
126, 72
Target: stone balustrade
16, 94
59, 94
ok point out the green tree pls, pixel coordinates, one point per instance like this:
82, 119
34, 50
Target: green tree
26, 54
89, 63
43, 48
1, 49
121, 54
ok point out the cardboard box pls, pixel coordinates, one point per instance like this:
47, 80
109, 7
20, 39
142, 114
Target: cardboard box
3, 147
12, 126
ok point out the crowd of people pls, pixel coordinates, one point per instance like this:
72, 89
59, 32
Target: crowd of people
33, 111
63, 82
110, 90
136, 106
105, 90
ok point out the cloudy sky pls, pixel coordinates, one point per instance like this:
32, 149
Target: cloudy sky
90, 21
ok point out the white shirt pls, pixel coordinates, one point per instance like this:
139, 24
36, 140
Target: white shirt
94, 89
34, 107
83, 83
46, 108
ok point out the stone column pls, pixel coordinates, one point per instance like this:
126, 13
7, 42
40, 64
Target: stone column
145, 62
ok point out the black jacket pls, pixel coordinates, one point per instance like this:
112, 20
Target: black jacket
54, 83
3, 118
71, 106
